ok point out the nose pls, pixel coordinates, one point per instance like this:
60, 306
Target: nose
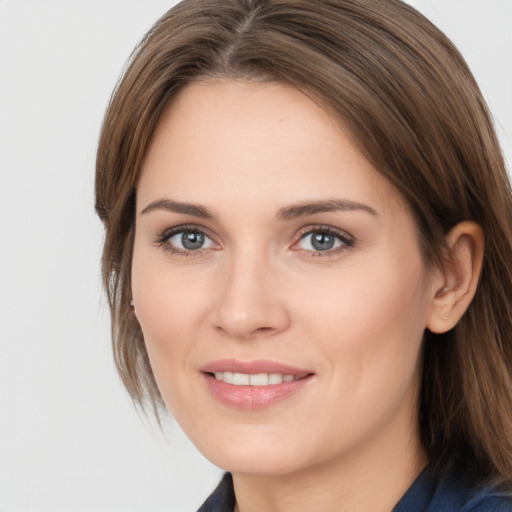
251, 302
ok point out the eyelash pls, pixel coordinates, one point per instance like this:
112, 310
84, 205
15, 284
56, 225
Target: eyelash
164, 237
347, 241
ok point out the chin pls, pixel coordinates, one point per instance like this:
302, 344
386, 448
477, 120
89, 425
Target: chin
261, 454
257, 463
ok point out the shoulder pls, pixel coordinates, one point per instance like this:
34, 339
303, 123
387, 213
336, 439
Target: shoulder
452, 492
223, 497
487, 500
429, 493
466, 497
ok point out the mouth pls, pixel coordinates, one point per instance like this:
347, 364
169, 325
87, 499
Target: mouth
254, 385
256, 379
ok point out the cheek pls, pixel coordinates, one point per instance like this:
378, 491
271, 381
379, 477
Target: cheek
168, 300
372, 322
167, 320
167, 307
369, 332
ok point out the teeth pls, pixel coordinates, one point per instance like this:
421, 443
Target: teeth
275, 378
259, 379
241, 379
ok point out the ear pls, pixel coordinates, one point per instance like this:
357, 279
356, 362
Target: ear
454, 286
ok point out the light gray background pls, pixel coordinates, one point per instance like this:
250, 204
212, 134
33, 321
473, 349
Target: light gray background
70, 439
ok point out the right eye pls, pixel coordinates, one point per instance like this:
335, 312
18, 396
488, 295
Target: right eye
185, 240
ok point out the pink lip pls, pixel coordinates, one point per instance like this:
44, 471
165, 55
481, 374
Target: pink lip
253, 367
253, 397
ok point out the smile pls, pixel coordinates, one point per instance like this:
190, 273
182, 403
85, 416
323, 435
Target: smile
254, 385
258, 379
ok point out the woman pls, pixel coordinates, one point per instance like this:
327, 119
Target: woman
307, 255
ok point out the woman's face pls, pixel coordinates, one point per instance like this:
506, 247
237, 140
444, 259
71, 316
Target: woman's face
278, 281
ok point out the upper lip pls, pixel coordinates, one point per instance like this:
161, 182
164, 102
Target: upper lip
253, 367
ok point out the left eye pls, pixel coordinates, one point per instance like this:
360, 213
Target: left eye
190, 241
321, 241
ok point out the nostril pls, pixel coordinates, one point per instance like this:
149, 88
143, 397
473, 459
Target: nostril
243, 315
241, 333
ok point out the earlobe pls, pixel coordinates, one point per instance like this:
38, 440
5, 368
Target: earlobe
457, 281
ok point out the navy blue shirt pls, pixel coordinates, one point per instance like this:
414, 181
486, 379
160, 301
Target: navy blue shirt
426, 494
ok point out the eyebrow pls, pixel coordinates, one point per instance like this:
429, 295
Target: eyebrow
177, 207
331, 205
291, 212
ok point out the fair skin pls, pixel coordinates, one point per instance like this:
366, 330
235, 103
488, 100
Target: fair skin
265, 238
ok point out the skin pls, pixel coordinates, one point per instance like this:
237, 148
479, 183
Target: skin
354, 316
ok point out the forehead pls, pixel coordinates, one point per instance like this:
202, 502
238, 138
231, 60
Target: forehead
222, 139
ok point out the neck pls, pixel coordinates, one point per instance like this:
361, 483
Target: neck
373, 478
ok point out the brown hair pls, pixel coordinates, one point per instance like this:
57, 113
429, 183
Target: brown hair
411, 103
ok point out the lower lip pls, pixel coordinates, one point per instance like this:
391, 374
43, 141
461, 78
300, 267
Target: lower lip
253, 397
